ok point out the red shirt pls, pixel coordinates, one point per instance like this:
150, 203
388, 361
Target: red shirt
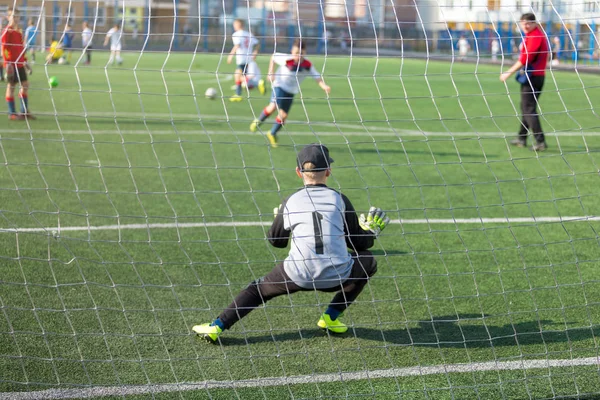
534, 52
13, 49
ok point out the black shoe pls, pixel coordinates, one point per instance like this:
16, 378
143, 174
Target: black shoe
518, 143
539, 147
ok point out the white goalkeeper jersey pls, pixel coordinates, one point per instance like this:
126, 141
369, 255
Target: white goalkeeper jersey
290, 74
323, 224
245, 42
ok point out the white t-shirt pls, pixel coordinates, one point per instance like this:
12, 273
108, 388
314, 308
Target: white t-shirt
115, 37
463, 46
245, 42
252, 70
86, 37
290, 75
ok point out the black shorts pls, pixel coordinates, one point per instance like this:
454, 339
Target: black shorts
19, 76
242, 67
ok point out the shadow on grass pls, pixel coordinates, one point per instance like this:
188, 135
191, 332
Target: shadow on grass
443, 331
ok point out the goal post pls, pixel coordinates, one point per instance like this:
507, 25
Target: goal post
138, 202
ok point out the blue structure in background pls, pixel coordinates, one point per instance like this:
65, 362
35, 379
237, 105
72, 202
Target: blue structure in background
55, 17
176, 26
205, 19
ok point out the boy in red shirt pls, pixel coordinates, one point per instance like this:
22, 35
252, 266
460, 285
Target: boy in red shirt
15, 62
533, 58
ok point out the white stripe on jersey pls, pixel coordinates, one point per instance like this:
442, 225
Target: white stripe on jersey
290, 75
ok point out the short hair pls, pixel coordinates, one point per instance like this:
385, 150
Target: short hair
307, 170
239, 21
299, 43
528, 17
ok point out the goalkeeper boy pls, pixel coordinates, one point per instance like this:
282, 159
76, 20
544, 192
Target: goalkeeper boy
323, 225
293, 69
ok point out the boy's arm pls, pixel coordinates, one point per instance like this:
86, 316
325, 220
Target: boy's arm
270, 75
279, 236
232, 52
357, 238
315, 74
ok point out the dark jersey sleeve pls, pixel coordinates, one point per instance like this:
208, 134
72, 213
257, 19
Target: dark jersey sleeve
357, 238
278, 236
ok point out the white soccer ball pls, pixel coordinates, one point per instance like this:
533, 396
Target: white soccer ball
62, 60
210, 93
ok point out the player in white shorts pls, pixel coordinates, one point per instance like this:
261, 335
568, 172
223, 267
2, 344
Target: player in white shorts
253, 78
115, 35
245, 50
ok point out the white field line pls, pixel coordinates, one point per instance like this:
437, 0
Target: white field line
129, 390
368, 132
183, 225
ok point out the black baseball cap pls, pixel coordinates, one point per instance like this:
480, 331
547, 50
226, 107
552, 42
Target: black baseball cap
316, 154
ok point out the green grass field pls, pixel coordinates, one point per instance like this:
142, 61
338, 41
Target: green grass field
139, 145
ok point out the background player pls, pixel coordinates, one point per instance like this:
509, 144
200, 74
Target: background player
86, 42
115, 35
254, 78
55, 52
293, 69
68, 38
13, 50
323, 225
30, 39
245, 48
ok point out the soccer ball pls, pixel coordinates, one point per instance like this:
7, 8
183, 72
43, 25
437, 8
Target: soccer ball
119, 60
53, 81
62, 61
210, 93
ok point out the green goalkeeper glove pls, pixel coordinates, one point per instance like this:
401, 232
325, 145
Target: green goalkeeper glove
375, 221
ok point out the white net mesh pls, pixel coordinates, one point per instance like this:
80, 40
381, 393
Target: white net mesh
135, 207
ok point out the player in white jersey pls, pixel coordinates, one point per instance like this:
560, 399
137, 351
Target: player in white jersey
253, 78
323, 225
245, 49
86, 42
463, 47
115, 35
293, 69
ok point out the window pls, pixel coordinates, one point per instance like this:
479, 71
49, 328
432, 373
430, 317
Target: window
493, 4
100, 20
589, 6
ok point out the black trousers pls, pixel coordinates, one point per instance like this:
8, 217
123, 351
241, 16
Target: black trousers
530, 94
277, 283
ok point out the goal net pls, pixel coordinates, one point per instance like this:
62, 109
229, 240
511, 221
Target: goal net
135, 207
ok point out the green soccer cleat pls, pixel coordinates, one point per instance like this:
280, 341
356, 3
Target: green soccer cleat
208, 332
334, 326
272, 139
261, 86
235, 98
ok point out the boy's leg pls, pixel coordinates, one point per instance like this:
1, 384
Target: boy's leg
24, 95
275, 283
238, 80
365, 266
10, 91
112, 57
266, 112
